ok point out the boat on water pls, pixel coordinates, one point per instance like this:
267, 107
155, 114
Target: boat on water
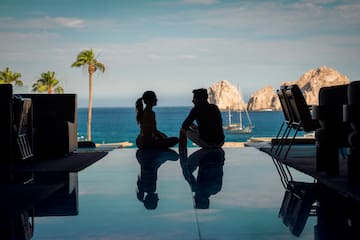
239, 127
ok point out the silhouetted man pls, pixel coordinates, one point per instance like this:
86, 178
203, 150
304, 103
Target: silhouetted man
208, 131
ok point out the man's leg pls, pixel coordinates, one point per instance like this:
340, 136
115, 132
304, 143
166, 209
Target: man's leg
182, 138
194, 136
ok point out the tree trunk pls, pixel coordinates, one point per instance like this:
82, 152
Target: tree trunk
91, 71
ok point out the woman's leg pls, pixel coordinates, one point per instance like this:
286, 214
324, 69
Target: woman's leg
168, 142
139, 142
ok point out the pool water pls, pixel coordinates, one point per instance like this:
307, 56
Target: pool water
139, 195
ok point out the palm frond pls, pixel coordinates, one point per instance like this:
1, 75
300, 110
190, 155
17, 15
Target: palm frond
59, 89
7, 76
86, 58
99, 65
45, 82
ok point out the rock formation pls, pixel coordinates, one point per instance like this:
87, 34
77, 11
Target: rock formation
226, 96
311, 82
264, 99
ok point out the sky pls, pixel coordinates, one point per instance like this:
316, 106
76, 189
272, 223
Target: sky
175, 46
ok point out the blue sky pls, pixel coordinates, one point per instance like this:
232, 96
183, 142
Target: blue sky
175, 46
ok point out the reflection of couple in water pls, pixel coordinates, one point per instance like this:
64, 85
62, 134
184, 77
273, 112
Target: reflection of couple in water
154, 149
150, 161
209, 164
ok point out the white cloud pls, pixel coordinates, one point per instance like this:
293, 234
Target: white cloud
42, 23
206, 2
270, 18
319, 1
188, 56
70, 22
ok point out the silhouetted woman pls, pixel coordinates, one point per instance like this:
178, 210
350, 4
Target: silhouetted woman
150, 136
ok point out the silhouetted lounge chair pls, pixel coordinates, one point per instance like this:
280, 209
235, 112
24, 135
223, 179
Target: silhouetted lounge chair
283, 133
333, 133
351, 114
299, 114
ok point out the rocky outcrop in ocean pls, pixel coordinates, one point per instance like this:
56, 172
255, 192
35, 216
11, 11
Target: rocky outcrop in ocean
264, 99
225, 96
311, 82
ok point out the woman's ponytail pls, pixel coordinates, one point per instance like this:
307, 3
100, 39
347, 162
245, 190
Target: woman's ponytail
147, 97
139, 110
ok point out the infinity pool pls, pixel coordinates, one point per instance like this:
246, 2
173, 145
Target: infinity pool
234, 193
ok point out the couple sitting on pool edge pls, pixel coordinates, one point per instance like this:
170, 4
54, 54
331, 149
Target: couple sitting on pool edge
206, 133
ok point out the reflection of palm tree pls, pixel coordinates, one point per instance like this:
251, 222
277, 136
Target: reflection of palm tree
150, 161
47, 83
83, 59
8, 76
208, 182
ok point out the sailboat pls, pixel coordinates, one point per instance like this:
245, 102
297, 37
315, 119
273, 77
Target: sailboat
239, 127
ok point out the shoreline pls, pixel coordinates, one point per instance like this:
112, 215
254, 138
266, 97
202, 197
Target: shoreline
127, 144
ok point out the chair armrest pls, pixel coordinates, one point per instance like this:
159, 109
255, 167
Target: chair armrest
332, 113
318, 112
351, 113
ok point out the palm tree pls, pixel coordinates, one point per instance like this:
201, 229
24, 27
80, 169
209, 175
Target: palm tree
59, 89
47, 83
86, 58
10, 77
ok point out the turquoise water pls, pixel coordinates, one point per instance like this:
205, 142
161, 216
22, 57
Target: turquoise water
118, 124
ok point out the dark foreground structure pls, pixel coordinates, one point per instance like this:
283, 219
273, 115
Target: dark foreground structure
38, 162
332, 159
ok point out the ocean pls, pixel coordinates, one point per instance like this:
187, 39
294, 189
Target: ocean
112, 125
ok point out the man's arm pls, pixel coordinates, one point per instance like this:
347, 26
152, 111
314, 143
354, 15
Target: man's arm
188, 122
